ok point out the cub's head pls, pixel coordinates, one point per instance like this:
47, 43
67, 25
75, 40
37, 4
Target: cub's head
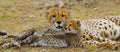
57, 18
72, 26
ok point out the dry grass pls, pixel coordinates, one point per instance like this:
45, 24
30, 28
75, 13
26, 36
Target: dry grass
19, 15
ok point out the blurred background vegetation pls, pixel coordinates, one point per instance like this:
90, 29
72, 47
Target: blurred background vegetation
19, 15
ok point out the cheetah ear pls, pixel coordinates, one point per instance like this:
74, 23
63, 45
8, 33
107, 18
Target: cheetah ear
46, 14
78, 22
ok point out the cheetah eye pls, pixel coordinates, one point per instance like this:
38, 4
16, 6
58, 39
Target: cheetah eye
70, 25
53, 16
63, 15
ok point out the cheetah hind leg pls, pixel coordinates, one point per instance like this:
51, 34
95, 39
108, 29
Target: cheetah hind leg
18, 44
9, 44
29, 40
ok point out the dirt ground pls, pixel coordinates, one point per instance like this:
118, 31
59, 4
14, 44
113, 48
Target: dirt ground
19, 15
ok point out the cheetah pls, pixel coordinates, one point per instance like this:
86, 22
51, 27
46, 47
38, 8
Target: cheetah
101, 30
95, 27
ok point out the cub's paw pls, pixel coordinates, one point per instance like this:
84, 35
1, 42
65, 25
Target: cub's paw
17, 45
6, 45
34, 45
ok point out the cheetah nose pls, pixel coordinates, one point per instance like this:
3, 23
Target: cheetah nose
58, 22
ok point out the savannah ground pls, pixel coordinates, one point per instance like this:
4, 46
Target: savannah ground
19, 15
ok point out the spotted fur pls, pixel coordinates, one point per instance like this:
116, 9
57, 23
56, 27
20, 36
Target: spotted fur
100, 30
115, 19
95, 27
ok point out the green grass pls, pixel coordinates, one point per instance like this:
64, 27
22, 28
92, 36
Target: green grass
19, 15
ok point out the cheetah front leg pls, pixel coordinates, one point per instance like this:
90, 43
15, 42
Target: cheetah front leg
34, 31
28, 40
26, 34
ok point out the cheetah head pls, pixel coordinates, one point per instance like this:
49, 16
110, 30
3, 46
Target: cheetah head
72, 26
57, 18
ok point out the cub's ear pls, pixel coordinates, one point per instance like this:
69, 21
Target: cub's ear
49, 11
46, 13
78, 22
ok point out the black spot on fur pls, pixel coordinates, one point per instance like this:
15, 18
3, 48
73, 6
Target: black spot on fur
104, 22
111, 32
105, 28
83, 36
110, 26
100, 24
116, 48
116, 21
94, 42
86, 32
103, 40
91, 36
95, 26
87, 39
98, 39
115, 32
99, 27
